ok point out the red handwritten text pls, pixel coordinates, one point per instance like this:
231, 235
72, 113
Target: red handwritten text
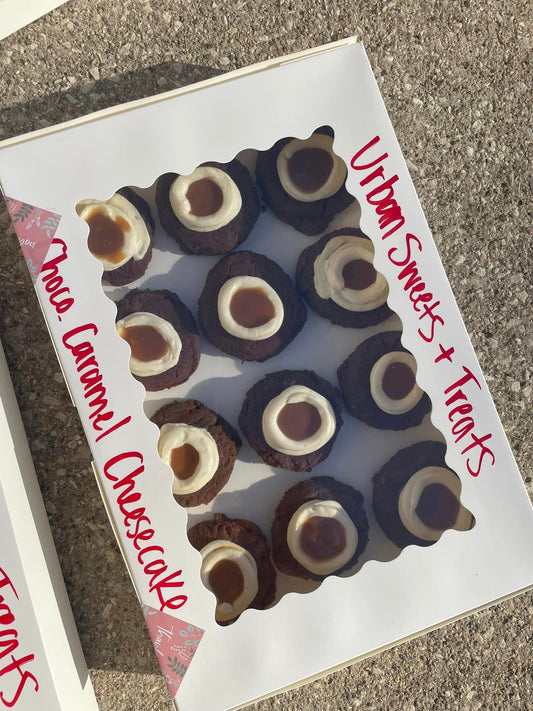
53, 281
464, 424
10, 665
369, 163
94, 391
123, 470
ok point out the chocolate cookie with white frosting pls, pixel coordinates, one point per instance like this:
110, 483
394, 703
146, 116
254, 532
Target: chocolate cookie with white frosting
249, 307
210, 211
236, 565
336, 275
416, 496
121, 235
378, 384
303, 181
320, 528
200, 447
291, 419
162, 334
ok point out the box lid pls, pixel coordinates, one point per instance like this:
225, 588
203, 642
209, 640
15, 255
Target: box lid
41, 660
15, 14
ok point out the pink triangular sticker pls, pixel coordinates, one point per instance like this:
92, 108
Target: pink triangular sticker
35, 230
175, 643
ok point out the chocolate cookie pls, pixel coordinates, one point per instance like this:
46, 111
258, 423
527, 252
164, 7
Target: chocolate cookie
249, 307
337, 277
416, 496
319, 529
121, 235
291, 419
199, 446
210, 211
303, 181
378, 384
240, 570
163, 337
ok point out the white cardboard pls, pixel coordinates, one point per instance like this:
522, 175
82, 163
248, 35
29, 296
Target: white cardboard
391, 596
15, 14
36, 623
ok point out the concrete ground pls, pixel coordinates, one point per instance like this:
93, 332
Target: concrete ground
456, 78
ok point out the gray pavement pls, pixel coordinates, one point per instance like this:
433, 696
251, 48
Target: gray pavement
456, 78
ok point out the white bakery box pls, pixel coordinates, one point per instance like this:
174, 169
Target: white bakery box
41, 660
391, 594
15, 14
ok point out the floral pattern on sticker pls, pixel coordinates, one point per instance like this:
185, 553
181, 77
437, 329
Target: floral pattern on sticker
175, 643
35, 228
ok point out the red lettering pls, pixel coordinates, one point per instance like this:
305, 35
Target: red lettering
145, 535
466, 424
363, 150
411, 272
484, 452
155, 568
401, 262
462, 428
74, 332
134, 465
434, 320
86, 363
25, 676
138, 522
173, 603
95, 393
463, 381
52, 281
445, 354
91, 377
378, 173
5, 580
6, 616
461, 409
120, 458
8, 642
140, 557
51, 265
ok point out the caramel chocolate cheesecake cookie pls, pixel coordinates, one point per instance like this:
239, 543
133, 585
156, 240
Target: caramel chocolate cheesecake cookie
249, 308
416, 496
162, 335
320, 528
210, 211
336, 275
236, 565
121, 235
291, 419
378, 384
303, 181
199, 446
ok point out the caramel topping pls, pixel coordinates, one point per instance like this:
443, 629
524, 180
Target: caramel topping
358, 274
146, 343
106, 236
438, 507
398, 381
322, 538
184, 461
226, 581
205, 197
309, 168
251, 307
299, 420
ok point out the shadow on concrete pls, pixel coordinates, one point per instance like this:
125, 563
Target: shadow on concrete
91, 96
